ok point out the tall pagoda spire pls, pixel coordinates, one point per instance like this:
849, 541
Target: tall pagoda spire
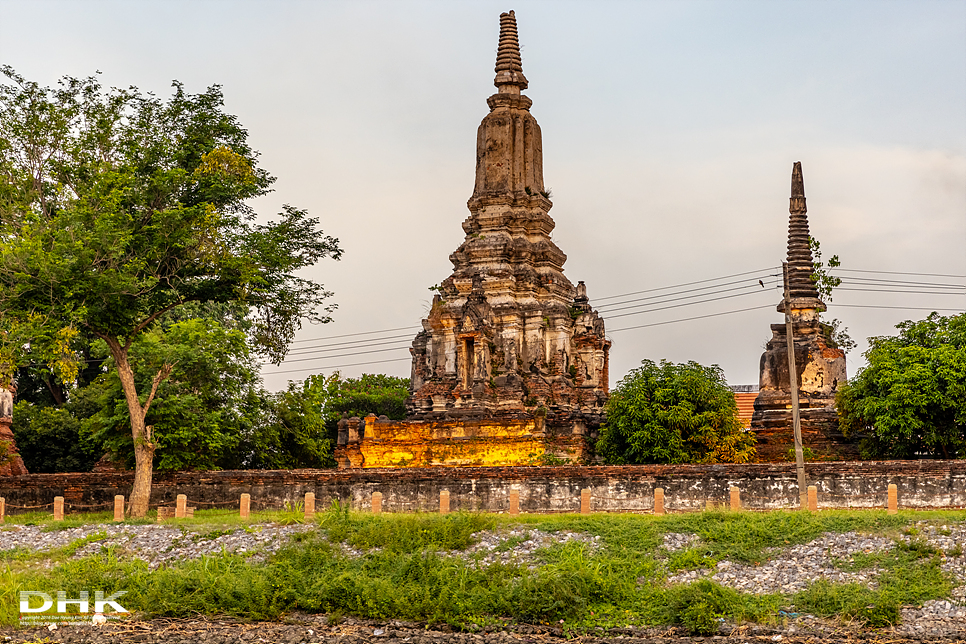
800, 266
820, 365
509, 148
509, 66
512, 362
509, 333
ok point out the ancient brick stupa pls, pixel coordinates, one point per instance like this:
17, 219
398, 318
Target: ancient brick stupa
820, 368
511, 364
11, 464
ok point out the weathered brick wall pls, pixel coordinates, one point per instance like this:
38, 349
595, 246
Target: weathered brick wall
921, 484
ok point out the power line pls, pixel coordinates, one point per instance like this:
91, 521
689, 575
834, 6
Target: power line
873, 281
343, 355
390, 339
696, 317
905, 308
665, 288
349, 335
397, 348
757, 289
886, 290
609, 297
756, 308
675, 306
639, 326
405, 346
744, 284
338, 366
646, 306
857, 270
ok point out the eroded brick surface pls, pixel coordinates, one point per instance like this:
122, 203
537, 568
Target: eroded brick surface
509, 339
820, 369
921, 484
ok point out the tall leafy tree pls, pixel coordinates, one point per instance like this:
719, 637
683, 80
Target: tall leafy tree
117, 207
201, 410
49, 437
910, 400
674, 413
371, 393
303, 424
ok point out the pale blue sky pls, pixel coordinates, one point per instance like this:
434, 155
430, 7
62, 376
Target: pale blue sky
670, 129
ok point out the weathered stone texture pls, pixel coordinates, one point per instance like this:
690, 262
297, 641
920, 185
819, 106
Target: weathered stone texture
11, 464
380, 442
857, 484
820, 368
509, 335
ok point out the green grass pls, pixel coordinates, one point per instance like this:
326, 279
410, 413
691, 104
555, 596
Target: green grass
911, 575
202, 517
746, 536
406, 571
404, 533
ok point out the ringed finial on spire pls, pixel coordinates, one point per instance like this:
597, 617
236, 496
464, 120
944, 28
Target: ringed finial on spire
509, 65
800, 266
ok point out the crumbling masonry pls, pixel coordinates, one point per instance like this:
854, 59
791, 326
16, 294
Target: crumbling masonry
512, 362
11, 464
821, 369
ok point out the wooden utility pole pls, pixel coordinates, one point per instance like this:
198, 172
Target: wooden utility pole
793, 386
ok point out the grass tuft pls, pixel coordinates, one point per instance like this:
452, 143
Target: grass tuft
409, 571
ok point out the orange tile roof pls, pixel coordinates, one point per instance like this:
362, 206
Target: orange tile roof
746, 405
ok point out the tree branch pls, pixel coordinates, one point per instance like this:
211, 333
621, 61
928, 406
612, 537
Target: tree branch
162, 374
148, 320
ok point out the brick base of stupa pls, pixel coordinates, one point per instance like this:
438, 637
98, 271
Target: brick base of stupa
11, 464
380, 442
822, 440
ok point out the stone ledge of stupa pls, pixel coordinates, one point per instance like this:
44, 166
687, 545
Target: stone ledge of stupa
804, 307
504, 200
506, 101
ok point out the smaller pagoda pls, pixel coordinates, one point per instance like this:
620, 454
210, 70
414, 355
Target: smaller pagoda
821, 368
11, 464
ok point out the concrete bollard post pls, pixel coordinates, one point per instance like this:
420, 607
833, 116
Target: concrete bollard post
309, 506
118, 507
659, 500
3, 509
444, 502
585, 501
812, 498
58, 508
245, 506
377, 502
181, 507
893, 498
735, 499
514, 501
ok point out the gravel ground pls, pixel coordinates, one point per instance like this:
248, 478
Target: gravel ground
303, 629
788, 570
792, 569
519, 545
951, 541
674, 541
155, 544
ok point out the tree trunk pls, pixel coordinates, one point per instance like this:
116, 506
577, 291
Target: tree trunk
143, 445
